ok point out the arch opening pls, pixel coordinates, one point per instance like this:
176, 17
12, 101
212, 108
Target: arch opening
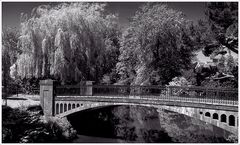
215, 116
69, 106
223, 118
61, 108
207, 114
65, 107
57, 108
231, 120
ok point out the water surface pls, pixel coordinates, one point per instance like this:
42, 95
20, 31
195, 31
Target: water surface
136, 124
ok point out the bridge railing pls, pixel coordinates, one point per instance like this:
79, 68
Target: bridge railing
127, 90
108, 90
210, 95
199, 94
71, 90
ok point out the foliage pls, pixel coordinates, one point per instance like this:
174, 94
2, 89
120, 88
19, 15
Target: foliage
230, 64
226, 64
232, 138
72, 42
190, 76
5, 66
110, 78
9, 42
179, 81
128, 58
29, 86
221, 64
227, 84
21, 126
156, 47
9, 52
223, 26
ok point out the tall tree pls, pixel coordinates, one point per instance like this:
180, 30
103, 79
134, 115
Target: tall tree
10, 41
68, 41
10, 52
127, 59
163, 46
5, 66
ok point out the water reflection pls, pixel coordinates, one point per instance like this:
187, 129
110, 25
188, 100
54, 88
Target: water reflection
142, 125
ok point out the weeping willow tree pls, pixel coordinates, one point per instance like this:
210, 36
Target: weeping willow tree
68, 41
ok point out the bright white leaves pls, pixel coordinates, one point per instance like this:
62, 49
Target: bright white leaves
65, 37
25, 65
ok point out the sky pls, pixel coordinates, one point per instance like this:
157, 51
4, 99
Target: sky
11, 11
194, 11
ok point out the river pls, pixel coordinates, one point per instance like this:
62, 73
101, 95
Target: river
136, 124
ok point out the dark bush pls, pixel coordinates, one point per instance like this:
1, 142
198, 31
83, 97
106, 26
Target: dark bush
229, 83
20, 126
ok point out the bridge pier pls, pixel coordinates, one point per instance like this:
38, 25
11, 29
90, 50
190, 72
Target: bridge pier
47, 97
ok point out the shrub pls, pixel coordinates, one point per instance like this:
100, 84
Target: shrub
19, 126
179, 81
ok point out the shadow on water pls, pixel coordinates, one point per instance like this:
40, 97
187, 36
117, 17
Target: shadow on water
142, 125
98, 122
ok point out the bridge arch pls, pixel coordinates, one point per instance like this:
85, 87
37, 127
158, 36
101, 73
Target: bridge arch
77, 107
207, 115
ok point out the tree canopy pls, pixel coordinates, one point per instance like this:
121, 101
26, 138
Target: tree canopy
75, 42
157, 46
68, 41
222, 18
9, 52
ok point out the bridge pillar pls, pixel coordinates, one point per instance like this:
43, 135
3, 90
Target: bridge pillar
89, 88
47, 97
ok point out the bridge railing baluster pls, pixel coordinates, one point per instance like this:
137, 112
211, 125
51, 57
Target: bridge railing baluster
212, 95
231, 98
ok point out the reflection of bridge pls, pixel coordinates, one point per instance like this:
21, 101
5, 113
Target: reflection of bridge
216, 106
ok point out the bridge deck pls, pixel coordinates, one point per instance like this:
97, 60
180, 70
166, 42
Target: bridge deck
171, 101
170, 95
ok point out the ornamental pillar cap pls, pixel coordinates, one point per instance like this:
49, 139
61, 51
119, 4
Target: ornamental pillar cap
46, 82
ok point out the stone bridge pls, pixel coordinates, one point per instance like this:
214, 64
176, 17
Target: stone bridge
215, 106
